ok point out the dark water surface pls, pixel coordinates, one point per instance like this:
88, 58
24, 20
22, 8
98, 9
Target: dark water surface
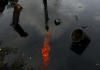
32, 22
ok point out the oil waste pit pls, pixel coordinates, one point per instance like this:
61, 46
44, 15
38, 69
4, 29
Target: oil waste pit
80, 41
41, 29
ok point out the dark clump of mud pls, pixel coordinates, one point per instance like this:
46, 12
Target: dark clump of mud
18, 64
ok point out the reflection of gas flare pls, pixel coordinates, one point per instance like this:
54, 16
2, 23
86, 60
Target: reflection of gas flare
46, 50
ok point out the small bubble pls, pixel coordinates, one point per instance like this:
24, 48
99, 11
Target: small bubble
97, 64
0, 49
30, 57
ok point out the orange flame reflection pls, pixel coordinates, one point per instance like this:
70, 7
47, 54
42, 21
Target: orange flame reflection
46, 50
